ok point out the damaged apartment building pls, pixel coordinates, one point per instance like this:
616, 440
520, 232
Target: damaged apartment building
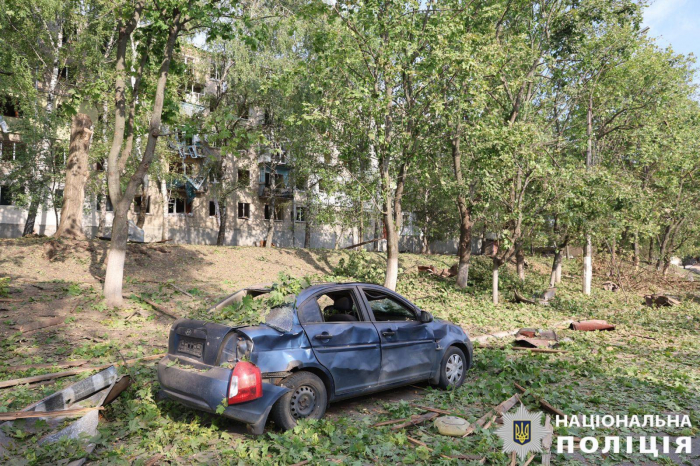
183, 204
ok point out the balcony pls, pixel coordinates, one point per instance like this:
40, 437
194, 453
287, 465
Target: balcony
266, 192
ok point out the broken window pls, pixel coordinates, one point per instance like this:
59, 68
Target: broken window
139, 204
300, 214
9, 107
279, 212
243, 177
388, 309
335, 306
243, 210
212, 209
277, 178
178, 205
5, 195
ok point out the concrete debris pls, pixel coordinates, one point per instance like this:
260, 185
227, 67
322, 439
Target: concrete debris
591, 325
661, 300
84, 399
611, 286
445, 273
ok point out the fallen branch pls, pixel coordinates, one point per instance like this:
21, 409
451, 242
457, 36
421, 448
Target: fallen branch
415, 421
547, 442
177, 288
41, 324
434, 410
537, 350
57, 375
159, 308
542, 402
13, 415
500, 409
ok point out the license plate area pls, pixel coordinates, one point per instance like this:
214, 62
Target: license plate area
191, 346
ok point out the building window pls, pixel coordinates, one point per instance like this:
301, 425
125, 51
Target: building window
10, 150
212, 209
109, 206
5, 195
279, 212
279, 180
243, 177
138, 204
243, 210
300, 214
177, 205
9, 107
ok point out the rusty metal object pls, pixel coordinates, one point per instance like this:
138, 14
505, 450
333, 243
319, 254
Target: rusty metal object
591, 325
536, 338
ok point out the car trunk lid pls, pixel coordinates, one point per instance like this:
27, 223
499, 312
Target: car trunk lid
197, 340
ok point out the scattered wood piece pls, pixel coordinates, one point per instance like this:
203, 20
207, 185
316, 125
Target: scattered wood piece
30, 327
512, 459
159, 308
301, 463
153, 460
488, 424
522, 299
541, 401
434, 410
500, 409
56, 375
529, 460
57, 365
388, 423
444, 273
547, 441
177, 288
415, 421
77, 412
538, 350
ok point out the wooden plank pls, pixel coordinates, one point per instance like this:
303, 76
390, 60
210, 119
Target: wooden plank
434, 410
500, 409
547, 441
14, 415
159, 308
538, 350
56, 375
57, 365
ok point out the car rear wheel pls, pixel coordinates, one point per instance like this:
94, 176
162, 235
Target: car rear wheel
453, 368
306, 399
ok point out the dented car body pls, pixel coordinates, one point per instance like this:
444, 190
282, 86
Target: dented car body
332, 341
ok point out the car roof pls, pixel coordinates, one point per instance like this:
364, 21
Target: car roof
313, 289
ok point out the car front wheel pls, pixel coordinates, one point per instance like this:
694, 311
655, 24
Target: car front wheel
453, 368
306, 399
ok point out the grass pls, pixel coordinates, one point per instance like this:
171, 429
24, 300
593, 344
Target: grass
649, 365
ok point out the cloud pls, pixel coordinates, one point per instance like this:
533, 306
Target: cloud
662, 10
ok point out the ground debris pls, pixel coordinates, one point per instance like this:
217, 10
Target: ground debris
536, 338
591, 325
661, 300
445, 273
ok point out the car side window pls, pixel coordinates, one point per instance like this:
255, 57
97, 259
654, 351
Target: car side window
333, 306
387, 309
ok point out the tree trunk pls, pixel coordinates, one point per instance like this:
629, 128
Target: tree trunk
31, 217
465, 223
103, 208
71, 224
667, 264
223, 218
555, 276
635, 257
392, 255
307, 233
116, 257
496, 266
613, 257
520, 261
376, 234
164, 192
587, 266
650, 255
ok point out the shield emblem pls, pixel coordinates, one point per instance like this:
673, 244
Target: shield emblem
521, 432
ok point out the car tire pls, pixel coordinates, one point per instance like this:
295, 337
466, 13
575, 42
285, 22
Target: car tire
306, 399
453, 368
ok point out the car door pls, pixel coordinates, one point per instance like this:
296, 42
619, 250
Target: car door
343, 338
408, 345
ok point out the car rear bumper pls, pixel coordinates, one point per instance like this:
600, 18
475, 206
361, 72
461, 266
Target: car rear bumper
205, 389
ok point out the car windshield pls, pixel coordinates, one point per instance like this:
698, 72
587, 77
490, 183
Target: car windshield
281, 317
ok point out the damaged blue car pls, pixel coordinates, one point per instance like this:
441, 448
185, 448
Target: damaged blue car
329, 342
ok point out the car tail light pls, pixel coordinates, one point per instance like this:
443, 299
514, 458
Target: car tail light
245, 384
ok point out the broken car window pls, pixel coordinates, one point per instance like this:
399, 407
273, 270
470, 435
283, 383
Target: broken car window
281, 317
386, 309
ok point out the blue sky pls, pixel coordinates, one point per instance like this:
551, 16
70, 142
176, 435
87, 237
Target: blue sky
675, 23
